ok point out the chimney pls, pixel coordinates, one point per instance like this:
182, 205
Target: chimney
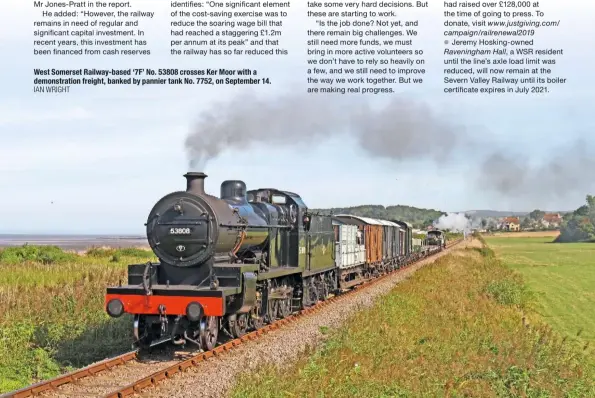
195, 182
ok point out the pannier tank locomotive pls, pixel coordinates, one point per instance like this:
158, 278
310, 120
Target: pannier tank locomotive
232, 264
436, 237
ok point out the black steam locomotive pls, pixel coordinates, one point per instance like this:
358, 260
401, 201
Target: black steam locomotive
231, 264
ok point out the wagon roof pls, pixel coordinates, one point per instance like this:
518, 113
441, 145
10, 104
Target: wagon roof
369, 221
337, 221
388, 223
403, 223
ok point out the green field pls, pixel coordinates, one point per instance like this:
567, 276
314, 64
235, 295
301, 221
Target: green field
456, 328
51, 310
562, 275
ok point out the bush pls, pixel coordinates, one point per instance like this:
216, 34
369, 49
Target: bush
102, 252
40, 254
509, 292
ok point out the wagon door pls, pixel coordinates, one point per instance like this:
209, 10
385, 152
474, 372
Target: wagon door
394, 243
402, 242
377, 243
360, 247
345, 249
351, 244
385, 242
338, 246
381, 240
369, 243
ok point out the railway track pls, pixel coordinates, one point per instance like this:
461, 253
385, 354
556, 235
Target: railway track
108, 378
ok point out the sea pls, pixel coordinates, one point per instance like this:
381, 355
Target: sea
74, 242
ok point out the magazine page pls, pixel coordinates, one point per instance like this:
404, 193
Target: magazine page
296, 198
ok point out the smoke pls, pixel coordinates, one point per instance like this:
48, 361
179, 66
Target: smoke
568, 171
403, 129
475, 222
454, 222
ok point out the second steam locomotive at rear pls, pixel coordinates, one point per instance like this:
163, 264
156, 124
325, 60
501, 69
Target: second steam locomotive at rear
233, 263
436, 237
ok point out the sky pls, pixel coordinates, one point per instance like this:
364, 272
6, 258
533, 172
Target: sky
96, 160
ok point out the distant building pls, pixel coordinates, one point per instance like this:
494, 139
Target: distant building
510, 224
551, 220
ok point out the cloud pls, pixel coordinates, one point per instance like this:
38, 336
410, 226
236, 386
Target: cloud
89, 149
564, 172
11, 115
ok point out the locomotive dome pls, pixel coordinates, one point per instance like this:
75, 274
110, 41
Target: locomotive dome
182, 226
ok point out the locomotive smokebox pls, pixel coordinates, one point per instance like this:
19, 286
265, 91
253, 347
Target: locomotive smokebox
195, 182
191, 228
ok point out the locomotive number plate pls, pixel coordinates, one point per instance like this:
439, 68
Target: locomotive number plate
180, 231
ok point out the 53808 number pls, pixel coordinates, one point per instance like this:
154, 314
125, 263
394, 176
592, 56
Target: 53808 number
168, 72
179, 231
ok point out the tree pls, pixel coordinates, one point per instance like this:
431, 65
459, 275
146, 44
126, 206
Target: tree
536, 215
484, 223
580, 224
526, 223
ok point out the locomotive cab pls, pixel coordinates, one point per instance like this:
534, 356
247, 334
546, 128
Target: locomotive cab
291, 211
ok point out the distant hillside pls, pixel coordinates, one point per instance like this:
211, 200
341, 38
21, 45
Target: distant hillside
499, 213
418, 217
494, 213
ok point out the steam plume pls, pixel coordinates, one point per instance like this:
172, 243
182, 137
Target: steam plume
455, 222
401, 130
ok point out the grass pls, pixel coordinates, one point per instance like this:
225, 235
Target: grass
456, 328
51, 310
562, 275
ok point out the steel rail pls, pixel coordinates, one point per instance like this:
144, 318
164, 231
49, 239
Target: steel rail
88, 371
